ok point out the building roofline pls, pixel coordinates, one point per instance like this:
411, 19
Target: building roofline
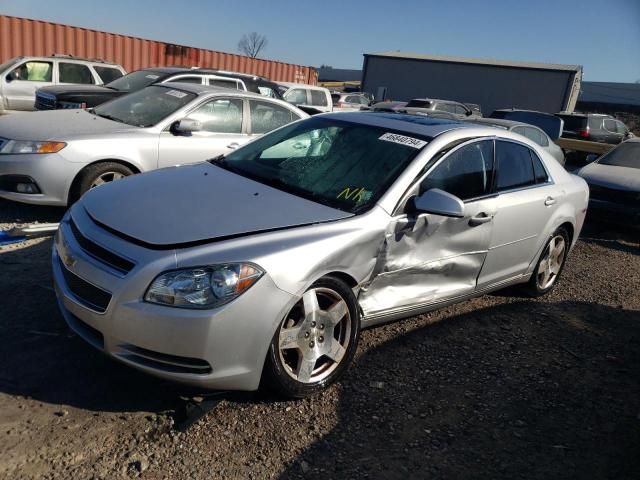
478, 61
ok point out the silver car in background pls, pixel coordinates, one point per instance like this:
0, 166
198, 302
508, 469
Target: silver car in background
614, 184
266, 263
532, 132
53, 157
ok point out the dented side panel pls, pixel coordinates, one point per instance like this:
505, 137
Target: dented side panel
428, 258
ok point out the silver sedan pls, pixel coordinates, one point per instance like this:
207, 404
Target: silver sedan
53, 157
266, 263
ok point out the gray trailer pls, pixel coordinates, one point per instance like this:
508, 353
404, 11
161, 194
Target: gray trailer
492, 84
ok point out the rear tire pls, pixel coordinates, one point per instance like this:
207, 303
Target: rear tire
315, 342
95, 175
550, 264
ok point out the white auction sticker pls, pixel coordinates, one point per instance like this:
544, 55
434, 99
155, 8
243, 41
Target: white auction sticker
402, 140
176, 93
152, 77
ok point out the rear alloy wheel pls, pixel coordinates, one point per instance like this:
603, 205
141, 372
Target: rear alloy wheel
96, 175
550, 264
316, 341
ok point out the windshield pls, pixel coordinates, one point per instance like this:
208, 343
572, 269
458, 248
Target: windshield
626, 155
134, 81
337, 163
145, 107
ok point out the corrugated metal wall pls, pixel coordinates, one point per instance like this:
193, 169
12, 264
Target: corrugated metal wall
490, 86
22, 36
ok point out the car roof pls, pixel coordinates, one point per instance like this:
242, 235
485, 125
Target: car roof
501, 122
441, 100
415, 124
97, 61
203, 71
204, 89
300, 85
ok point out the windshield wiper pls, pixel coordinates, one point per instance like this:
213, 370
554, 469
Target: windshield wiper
108, 117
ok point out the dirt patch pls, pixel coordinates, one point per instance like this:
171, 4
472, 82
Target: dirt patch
498, 387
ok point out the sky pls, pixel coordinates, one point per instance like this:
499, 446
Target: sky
601, 35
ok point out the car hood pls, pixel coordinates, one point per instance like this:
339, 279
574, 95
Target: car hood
76, 89
182, 206
622, 178
55, 125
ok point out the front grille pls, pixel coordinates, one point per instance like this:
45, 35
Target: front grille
87, 294
164, 361
100, 253
612, 195
45, 102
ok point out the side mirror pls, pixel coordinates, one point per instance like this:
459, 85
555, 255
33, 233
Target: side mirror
469, 113
11, 76
439, 202
592, 157
185, 126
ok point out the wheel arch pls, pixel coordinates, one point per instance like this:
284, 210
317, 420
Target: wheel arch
74, 183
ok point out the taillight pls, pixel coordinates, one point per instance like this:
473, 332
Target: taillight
583, 132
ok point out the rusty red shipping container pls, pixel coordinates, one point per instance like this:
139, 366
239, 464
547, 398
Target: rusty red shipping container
23, 36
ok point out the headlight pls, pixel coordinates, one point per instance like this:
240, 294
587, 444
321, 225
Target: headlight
29, 146
203, 287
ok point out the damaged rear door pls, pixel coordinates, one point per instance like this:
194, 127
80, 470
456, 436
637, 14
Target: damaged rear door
428, 258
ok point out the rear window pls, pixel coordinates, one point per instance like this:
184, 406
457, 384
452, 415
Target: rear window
418, 104
573, 123
107, 74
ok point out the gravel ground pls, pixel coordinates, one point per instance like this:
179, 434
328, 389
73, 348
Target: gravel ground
498, 387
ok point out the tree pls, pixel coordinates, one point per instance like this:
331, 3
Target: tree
252, 44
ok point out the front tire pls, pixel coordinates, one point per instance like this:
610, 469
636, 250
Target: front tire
550, 265
96, 175
315, 342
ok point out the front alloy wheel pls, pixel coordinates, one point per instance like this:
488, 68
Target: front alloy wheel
315, 341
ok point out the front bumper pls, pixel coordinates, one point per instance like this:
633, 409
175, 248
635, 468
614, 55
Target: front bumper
50, 172
221, 348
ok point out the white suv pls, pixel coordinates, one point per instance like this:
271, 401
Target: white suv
20, 77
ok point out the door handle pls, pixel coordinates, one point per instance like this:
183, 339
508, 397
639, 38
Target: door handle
479, 219
549, 201
233, 145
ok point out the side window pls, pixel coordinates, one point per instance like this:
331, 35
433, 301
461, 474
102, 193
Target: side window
187, 79
513, 165
595, 123
74, 73
534, 135
296, 96
265, 91
318, 98
107, 74
267, 116
351, 99
33, 72
538, 169
466, 173
216, 82
220, 116
460, 110
610, 125
622, 128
